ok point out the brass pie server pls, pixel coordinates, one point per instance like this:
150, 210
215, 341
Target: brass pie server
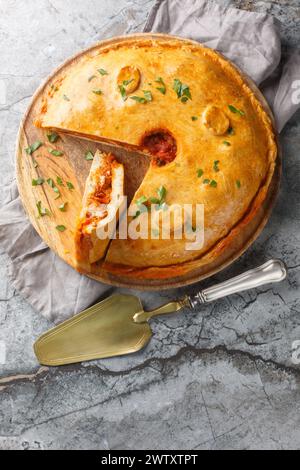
119, 325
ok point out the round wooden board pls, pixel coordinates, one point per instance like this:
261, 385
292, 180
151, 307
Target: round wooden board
73, 167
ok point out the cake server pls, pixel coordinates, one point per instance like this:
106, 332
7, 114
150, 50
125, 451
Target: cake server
119, 325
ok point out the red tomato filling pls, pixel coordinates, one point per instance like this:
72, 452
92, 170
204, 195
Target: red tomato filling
162, 146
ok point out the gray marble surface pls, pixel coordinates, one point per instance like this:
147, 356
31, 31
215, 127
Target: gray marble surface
220, 379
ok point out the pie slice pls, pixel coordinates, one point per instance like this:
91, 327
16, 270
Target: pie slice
100, 210
211, 139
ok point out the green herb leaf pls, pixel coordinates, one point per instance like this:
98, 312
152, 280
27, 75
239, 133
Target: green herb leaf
123, 92
63, 207
194, 118
216, 165
57, 191
182, 90
126, 82
42, 211
225, 142
213, 184
61, 228
161, 88
137, 214
148, 95
141, 200
139, 99
51, 183
235, 110
230, 131
102, 72
35, 163
56, 153
66, 98
162, 192
35, 146
238, 183
89, 156
91, 78
59, 181
154, 200
38, 182
200, 172
53, 137
206, 181
70, 185
98, 92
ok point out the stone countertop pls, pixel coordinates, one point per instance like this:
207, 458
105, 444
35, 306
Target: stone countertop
220, 379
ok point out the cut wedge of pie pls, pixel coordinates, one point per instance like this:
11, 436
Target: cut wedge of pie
211, 139
100, 209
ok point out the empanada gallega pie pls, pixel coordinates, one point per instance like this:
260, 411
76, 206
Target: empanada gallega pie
211, 139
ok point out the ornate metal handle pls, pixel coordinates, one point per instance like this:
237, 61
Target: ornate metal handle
272, 271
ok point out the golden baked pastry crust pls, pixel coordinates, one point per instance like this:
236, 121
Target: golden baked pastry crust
86, 101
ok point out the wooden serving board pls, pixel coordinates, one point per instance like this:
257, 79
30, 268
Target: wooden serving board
73, 167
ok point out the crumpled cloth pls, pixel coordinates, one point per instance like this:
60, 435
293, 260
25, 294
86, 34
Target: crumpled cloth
252, 41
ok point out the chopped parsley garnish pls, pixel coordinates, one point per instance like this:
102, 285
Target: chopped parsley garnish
41, 210
91, 78
98, 92
35, 163
56, 153
38, 182
89, 156
182, 91
235, 110
56, 190
51, 183
225, 142
162, 192
61, 228
70, 185
238, 183
53, 137
35, 146
66, 98
230, 131
122, 88
59, 181
143, 99
139, 99
126, 82
194, 118
200, 173
211, 183
63, 207
216, 165
143, 202
102, 72
148, 95
161, 88
123, 92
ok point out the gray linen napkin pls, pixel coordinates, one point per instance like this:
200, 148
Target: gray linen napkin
252, 41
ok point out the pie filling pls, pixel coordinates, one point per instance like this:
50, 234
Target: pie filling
161, 145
